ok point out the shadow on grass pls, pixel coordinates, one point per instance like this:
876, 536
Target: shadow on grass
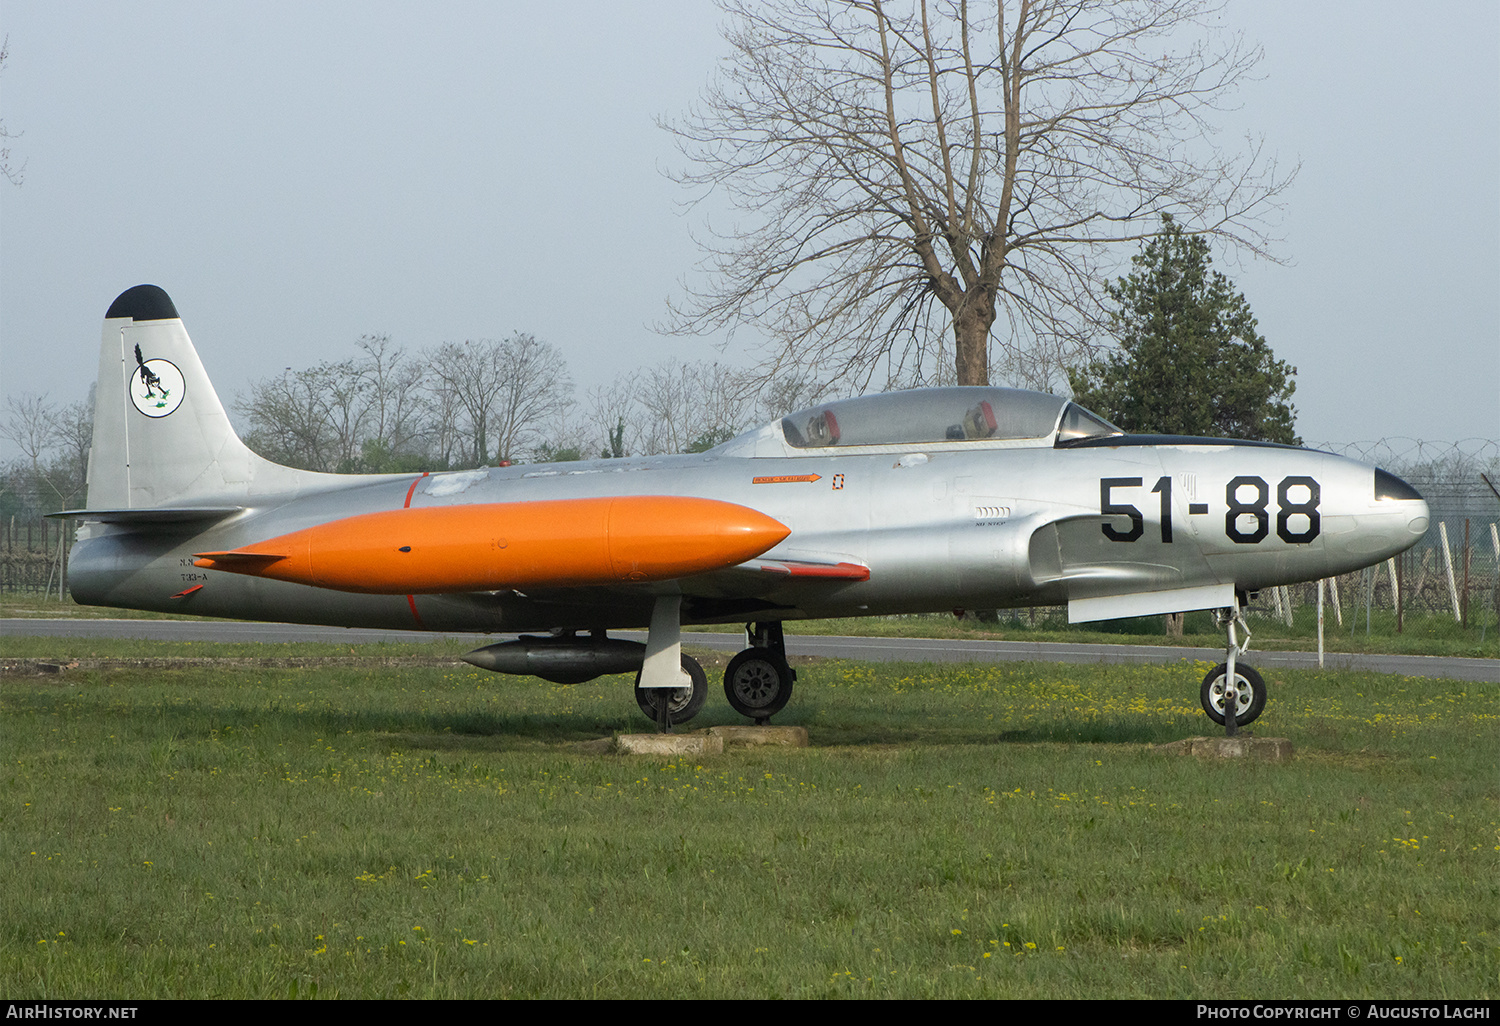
1104, 732
496, 732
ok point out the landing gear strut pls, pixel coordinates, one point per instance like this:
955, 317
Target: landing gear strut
666, 706
758, 681
1233, 693
665, 693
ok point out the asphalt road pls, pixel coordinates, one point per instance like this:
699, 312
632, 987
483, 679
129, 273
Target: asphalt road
918, 650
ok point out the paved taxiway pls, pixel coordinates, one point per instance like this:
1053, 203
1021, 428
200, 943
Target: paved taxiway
911, 650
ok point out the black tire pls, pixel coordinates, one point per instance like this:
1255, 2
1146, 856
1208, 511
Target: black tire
758, 684
683, 703
1212, 694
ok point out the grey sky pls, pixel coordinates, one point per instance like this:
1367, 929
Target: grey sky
296, 175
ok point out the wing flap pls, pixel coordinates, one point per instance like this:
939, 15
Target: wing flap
148, 517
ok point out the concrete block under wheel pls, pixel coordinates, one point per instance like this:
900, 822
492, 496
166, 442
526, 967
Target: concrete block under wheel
1266, 749
784, 737
669, 744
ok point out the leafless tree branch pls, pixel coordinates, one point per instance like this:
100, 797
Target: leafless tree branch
910, 168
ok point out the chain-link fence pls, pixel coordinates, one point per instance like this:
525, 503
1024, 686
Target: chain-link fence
33, 553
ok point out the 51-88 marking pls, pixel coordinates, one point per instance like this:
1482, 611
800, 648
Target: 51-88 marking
1256, 509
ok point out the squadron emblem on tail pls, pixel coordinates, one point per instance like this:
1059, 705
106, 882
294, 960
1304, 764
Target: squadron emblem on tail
156, 387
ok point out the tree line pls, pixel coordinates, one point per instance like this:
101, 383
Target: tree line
53, 441
453, 406
489, 402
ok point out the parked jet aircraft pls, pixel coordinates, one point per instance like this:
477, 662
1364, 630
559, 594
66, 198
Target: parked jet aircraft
914, 501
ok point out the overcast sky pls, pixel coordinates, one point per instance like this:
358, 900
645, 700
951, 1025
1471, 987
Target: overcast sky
296, 175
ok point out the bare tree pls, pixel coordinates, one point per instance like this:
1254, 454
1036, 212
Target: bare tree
791, 391
9, 170
686, 407
346, 405
536, 390
31, 423
616, 421
502, 390
689, 407
466, 378
288, 419
54, 444
910, 172
73, 437
394, 397
364, 414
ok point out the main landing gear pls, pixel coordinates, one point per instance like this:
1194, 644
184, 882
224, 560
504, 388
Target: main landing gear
666, 706
1232, 685
672, 687
758, 681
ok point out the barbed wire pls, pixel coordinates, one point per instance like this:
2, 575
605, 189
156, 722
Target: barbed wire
1409, 452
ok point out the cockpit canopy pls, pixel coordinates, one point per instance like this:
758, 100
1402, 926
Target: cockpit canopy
926, 415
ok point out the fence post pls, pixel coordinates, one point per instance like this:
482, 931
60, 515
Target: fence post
1320, 623
1400, 573
1495, 544
1448, 566
1466, 572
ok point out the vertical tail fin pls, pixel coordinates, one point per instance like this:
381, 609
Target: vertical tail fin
161, 436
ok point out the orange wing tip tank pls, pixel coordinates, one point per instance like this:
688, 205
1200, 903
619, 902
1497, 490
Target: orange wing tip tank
555, 543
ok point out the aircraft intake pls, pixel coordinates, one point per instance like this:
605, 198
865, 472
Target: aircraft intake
495, 546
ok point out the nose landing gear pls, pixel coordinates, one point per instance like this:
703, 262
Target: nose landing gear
1233, 694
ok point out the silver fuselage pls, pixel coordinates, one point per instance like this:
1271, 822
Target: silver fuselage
940, 525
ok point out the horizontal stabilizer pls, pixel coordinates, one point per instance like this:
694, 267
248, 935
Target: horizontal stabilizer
154, 515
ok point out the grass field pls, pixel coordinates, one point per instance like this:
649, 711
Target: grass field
958, 831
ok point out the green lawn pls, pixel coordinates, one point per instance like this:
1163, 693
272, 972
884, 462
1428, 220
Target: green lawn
957, 831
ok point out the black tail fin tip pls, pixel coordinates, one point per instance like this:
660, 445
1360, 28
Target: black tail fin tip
143, 303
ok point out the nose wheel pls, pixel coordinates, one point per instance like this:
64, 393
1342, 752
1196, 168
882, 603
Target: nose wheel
1248, 694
